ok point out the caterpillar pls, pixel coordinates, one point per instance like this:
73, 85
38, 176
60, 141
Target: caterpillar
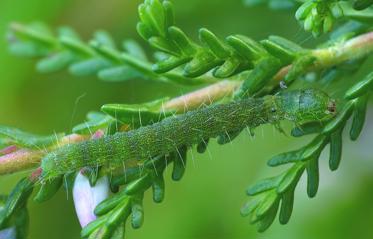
188, 129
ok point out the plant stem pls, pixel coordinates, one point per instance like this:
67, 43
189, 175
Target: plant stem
355, 48
204, 96
23, 159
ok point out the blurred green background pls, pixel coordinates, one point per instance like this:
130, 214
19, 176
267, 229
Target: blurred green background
206, 203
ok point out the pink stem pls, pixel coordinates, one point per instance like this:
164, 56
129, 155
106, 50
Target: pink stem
8, 150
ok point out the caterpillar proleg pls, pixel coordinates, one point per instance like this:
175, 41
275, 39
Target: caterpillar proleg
188, 129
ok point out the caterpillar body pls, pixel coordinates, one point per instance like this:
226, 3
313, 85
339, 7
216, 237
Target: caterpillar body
188, 129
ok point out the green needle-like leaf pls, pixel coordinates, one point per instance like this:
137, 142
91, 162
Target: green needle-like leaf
138, 114
179, 163
282, 48
28, 140
358, 118
360, 88
290, 178
288, 157
268, 219
48, 189
137, 211
139, 185
312, 176
286, 210
158, 188
335, 149
96, 121
16, 201
251, 206
263, 186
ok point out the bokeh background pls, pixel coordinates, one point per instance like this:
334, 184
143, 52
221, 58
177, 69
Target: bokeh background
206, 203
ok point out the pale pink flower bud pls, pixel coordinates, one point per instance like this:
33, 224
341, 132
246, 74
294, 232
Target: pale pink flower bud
86, 198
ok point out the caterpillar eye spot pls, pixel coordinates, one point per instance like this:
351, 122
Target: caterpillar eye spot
332, 108
273, 110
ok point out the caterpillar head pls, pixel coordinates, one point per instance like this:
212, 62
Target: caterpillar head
306, 105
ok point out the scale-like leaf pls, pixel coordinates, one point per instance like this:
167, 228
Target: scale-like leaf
312, 176
360, 88
96, 121
287, 202
284, 158
21, 138
263, 186
358, 118
139, 185
138, 114
48, 189
335, 149
290, 178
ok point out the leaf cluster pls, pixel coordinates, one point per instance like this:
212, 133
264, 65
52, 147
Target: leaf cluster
128, 202
13, 209
235, 57
101, 56
268, 194
320, 16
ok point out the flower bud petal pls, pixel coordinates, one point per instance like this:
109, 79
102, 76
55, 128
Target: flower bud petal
86, 198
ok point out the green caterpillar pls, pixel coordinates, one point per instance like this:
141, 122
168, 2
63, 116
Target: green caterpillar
188, 129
